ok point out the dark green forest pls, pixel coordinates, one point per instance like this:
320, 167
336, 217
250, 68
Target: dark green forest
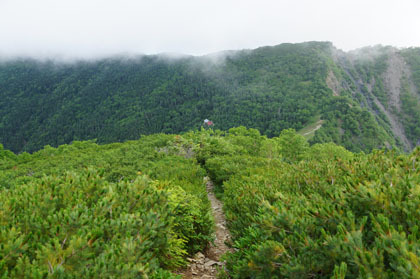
269, 89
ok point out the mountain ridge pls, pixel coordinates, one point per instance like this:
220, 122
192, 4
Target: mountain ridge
363, 102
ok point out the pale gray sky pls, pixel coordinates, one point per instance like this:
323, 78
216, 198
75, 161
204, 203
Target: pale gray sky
86, 28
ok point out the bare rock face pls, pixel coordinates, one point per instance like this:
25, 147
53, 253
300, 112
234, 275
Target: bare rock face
396, 74
333, 83
207, 265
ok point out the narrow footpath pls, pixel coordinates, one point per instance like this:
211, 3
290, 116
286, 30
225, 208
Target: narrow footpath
205, 266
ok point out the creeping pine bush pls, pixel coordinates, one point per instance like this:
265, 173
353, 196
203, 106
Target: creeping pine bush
321, 213
122, 210
81, 226
356, 219
137, 209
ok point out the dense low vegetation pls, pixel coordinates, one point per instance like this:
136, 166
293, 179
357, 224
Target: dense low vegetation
320, 211
269, 88
138, 209
128, 210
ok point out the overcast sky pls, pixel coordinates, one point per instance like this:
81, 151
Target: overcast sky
86, 28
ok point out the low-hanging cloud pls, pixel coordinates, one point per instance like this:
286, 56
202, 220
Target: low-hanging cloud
93, 28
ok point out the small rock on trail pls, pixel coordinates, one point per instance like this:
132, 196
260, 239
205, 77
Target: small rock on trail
205, 266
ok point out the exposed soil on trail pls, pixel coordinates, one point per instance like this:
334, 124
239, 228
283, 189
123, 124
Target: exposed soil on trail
207, 265
314, 129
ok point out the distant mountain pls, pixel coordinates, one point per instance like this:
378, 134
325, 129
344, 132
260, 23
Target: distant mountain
362, 99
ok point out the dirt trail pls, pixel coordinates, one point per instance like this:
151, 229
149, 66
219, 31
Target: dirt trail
314, 129
206, 265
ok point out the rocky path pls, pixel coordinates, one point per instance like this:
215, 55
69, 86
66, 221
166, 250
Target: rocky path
318, 126
207, 265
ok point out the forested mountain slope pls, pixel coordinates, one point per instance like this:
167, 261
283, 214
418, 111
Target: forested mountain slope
362, 100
